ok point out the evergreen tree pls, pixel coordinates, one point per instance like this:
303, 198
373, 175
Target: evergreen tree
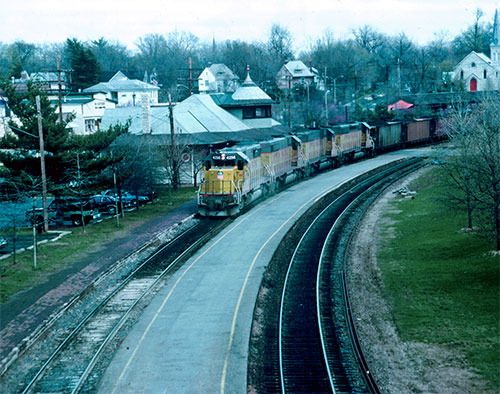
22, 158
20, 155
84, 64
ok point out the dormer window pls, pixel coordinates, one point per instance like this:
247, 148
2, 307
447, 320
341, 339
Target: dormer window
473, 64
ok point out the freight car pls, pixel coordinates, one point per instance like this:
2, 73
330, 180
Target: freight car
237, 175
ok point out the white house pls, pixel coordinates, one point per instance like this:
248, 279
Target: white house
479, 72
217, 78
126, 92
87, 109
296, 73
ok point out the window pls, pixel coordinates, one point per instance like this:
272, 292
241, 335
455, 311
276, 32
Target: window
473, 64
256, 112
89, 125
260, 112
462, 74
484, 74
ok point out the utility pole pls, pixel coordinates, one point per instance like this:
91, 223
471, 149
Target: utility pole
289, 101
59, 88
399, 77
173, 150
116, 199
34, 232
190, 66
190, 75
326, 108
42, 165
79, 175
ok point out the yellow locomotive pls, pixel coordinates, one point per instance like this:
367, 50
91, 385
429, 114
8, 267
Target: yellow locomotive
235, 176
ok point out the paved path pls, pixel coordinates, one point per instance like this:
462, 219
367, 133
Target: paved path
193, 337
25, 311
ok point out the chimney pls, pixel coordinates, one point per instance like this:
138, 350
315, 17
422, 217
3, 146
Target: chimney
146, 114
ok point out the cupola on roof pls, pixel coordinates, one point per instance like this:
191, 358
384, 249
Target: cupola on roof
250, 91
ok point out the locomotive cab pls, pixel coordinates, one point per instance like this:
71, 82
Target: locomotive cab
227, 177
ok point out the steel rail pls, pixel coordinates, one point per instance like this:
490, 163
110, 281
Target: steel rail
351, 326
280, 337
376, 181
106, 300
355, 343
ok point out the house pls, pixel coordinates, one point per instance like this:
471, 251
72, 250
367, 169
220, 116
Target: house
46, 81
87, 110
296, 73
479, 72
126, 92
249, 103
217, 78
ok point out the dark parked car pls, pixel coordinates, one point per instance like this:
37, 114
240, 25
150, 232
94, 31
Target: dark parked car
65, 211
129, 198
104, 204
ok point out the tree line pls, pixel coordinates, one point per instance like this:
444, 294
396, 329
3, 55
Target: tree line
367, 60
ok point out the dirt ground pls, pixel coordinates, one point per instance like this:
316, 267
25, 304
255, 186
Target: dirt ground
398, 367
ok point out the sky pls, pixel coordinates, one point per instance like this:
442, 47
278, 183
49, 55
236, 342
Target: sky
40, 21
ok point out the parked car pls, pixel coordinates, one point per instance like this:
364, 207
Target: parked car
104, 204
65, 211
127, 199
3, 242
141, 198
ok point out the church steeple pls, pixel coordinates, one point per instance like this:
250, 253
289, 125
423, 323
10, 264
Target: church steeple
495, 41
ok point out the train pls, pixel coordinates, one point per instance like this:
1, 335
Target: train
237, 175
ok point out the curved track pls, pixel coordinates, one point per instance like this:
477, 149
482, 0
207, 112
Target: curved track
317, 345
69, 367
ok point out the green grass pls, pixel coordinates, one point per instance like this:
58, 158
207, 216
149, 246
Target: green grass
53, 257
442, 283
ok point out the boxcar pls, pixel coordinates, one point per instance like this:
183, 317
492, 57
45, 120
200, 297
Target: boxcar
418, 131
388, 136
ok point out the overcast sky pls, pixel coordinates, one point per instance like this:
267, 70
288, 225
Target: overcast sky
127, 20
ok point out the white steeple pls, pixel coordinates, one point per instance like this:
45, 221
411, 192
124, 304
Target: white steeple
495, 41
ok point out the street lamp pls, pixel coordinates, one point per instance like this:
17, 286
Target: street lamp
185, 87
335, 88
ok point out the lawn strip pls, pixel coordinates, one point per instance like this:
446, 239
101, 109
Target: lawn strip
441, 282
55, 256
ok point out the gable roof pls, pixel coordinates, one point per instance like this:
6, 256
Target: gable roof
221, 72
197, 114
481, 57
399, 105
121, 83
299, 70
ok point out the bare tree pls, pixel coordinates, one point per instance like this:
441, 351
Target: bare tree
475, 166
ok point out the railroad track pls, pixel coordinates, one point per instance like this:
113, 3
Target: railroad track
317, 349
69, 368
